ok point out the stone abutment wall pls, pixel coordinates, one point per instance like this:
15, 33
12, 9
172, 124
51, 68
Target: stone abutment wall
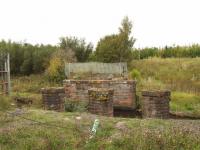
124, 90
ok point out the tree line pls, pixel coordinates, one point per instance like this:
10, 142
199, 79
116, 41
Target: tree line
26, 59
168, 52
29, 59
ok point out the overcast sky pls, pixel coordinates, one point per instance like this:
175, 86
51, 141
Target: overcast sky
155, 22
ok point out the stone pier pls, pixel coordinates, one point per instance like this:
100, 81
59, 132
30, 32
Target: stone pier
124, 90
101, 101
53, 98
155, 104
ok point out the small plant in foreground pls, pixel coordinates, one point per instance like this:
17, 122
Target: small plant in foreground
75, 105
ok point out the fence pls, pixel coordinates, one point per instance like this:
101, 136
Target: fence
4, 73
96, 68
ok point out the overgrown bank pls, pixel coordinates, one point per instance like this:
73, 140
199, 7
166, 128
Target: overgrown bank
52, 130
177, 74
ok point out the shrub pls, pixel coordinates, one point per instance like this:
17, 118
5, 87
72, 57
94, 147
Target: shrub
55, 71
75, 105
135, 74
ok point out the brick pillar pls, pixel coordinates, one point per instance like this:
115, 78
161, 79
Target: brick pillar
70, 90
155, 104
53, 98
101, 101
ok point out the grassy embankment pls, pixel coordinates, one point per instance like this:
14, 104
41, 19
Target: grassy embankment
181, 75
112, 134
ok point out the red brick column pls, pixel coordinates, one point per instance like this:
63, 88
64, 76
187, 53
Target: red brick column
53, 98
101, 101
155, 104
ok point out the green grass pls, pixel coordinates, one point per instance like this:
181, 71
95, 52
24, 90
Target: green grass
36, 98
30, 84
29, 87
5, 103
184, 102
20, 134
172, 73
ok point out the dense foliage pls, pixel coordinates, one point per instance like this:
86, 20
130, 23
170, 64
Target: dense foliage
81, 49
29, 59
26, 58
116, 47
168, 52
71, 49
55, 71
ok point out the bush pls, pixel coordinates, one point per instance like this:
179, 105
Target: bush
75, 105
135, 74
55, 71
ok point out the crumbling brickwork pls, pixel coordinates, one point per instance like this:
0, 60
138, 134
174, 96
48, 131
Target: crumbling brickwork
53, 98
101, 101
155, 104
124, 90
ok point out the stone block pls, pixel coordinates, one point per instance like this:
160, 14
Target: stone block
155, 104
53, 98
101, 101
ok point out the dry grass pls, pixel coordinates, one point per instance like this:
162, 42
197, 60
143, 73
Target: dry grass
74, 131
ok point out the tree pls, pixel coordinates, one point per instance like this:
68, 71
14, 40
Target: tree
65, 55
116, 47
55, 71
81, 49
26, 67
41, 57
